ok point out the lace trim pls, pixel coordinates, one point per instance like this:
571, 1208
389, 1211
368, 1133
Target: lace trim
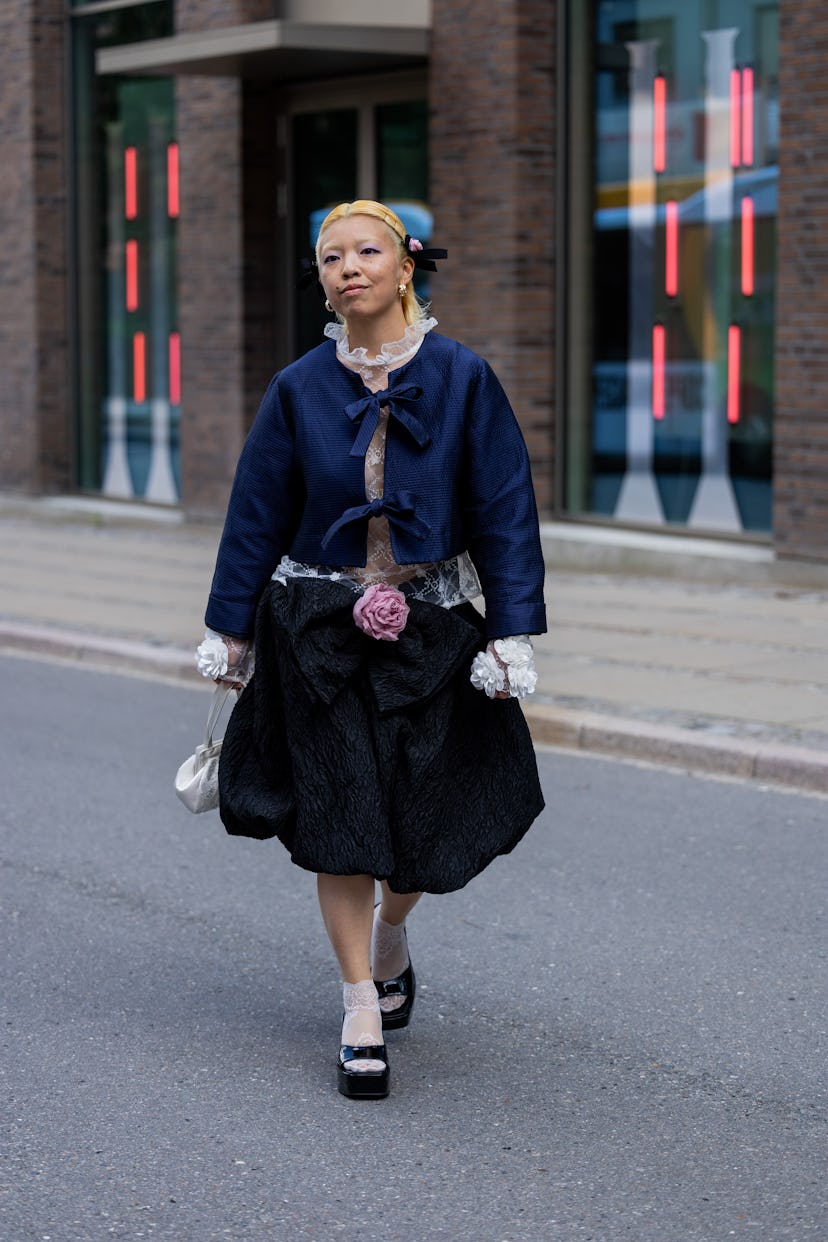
387, 937
445, 583
356, 996
391, 352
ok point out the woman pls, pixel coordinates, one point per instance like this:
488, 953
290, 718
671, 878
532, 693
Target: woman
384, 472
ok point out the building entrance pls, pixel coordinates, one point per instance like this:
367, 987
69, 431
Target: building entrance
369, 143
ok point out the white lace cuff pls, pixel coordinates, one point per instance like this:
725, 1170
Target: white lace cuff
506, 664
222, 658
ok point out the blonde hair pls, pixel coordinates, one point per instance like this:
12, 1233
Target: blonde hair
413, 309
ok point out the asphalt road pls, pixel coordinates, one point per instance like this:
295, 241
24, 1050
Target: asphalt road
620, 1032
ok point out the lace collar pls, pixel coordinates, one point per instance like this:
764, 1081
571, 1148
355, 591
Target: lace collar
392, 352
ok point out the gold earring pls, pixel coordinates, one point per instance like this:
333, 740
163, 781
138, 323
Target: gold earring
328, 306
401, 290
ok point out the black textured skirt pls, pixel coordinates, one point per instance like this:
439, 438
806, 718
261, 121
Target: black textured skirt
366, 756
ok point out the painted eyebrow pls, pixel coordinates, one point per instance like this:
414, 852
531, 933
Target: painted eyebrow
365, 241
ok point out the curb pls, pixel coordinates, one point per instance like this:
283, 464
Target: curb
98, 651
796, 767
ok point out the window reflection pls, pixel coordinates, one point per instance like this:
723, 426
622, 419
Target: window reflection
685, 140
127, 193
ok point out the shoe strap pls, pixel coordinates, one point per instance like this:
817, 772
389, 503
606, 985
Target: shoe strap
362, 1052
392, 987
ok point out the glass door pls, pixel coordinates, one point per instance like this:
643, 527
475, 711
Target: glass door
324, 171
365, 145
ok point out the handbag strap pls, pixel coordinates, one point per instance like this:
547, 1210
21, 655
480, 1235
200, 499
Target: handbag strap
217, 703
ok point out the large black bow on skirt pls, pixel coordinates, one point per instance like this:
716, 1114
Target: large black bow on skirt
366, 413
310, 621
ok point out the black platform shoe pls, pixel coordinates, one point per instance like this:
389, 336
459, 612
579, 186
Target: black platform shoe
363, 1084
402, 985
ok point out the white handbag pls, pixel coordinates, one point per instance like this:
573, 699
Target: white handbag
196, 781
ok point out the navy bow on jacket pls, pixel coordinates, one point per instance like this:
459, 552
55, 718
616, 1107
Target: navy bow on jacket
397, 507
367, 409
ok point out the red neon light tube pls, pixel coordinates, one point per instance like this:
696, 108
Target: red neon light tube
132, 275
173, 192
175, 368
131, 183
659, 344
734, 363
139, 367
735, 118
671, 241
748, 248
747, 117
659, 124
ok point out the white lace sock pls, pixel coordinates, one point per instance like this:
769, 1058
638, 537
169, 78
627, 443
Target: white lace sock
362, 1026
389, 956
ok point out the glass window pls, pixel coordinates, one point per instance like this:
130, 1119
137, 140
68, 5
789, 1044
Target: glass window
127, 204
324, 174
143, 19
671, 284
402, 170
402, 150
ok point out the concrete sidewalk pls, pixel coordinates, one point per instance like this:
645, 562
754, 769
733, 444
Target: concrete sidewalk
705, 657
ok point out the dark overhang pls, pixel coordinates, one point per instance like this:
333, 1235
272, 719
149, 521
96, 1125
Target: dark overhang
291, 51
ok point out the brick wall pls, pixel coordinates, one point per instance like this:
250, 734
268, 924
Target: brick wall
227, 287
262, 305
210, 289
492, 94
35, 407
801, 419
18, 349
213, 14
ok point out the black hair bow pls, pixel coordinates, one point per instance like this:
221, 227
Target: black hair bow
423, 258
310, 276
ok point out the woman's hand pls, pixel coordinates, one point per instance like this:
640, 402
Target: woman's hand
506, 669
226, 660
505, 693
238, 661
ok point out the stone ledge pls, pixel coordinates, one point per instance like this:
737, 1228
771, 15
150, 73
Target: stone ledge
573, 547
778, 764
98, 650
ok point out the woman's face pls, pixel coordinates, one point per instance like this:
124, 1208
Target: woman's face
360, 267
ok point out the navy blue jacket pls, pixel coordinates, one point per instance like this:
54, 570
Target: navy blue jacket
456, 478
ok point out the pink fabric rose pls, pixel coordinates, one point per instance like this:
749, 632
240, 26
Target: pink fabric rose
381, 611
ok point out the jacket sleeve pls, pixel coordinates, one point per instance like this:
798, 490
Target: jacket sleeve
500, 514
261, 518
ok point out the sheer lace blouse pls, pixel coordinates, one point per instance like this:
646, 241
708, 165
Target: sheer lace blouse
380, 565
